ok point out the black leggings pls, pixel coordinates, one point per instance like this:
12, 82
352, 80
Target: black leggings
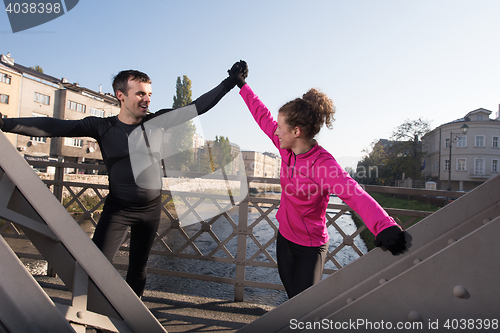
111, 232
299, 266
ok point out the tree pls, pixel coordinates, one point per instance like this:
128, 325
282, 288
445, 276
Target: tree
389, 160
181, 136
183, 92
372, 168
215, 155
408, 149
204, 159
37, 68
221, 151
411, 130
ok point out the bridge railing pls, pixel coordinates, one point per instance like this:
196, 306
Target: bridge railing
240, 239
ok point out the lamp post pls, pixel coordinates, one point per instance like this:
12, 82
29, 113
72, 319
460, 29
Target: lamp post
463, 129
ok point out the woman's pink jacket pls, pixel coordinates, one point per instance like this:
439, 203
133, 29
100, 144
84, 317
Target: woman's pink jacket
307, 180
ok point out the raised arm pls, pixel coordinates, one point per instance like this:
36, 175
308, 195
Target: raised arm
46, 126
168, 118
260, 113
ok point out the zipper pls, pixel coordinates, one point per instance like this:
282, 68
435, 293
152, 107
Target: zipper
294, 162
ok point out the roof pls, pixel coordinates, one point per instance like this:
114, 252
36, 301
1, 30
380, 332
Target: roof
9, 69
25, 70
96, 95
8, 63
480, 110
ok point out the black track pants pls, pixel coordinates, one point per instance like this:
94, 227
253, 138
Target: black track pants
299, 266
112, 229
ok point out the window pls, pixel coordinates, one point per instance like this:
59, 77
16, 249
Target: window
462, 142
41, 98
479, 166
494, 165
76, 106
446, 165
72, 142
480, 117
93, 146
96, 112
495, 142
4, 99
38, 139
461, 164
6, 78
447, 143
479, 141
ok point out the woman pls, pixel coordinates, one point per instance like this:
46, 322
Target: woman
309, 174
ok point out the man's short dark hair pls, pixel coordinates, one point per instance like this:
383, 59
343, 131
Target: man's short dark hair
120, 81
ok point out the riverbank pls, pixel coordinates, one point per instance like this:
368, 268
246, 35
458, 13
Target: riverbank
390, 201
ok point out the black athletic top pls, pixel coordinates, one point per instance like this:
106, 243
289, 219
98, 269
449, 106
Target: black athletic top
113, 138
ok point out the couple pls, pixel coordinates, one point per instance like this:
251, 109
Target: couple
302, 240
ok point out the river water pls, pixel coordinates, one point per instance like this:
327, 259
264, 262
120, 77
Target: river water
263, 232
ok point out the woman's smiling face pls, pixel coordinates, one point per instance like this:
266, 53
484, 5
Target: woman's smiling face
285, 133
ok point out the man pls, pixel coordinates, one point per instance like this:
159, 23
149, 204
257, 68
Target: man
134, 199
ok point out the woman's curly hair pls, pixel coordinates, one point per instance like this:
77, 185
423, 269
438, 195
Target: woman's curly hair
309, 113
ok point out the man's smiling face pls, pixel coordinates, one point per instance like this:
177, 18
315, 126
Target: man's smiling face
135, 102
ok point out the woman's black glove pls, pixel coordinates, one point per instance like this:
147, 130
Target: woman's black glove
238, 73
393, 239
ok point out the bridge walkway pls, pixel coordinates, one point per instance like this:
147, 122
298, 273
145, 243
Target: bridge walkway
177, 312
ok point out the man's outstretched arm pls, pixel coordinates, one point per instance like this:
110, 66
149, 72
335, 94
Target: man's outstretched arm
42, 126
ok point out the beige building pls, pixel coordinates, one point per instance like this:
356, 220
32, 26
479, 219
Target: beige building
475, 156
265, 165
76, 103
35, 94
10, 82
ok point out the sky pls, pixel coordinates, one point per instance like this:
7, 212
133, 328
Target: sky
381, 62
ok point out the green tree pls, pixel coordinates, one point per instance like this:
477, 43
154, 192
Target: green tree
37, 68
203, 158
181, 136
222, 151
371, 169
389, 160
182, 92
407, 155
216, 154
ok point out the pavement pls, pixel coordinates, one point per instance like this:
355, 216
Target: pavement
179, 313
176, 312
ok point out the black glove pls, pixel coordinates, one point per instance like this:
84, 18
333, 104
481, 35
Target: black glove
393, 239
238, 73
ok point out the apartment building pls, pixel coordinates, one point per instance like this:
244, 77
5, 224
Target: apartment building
10, 82
35, 94
261, 164
475, 155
